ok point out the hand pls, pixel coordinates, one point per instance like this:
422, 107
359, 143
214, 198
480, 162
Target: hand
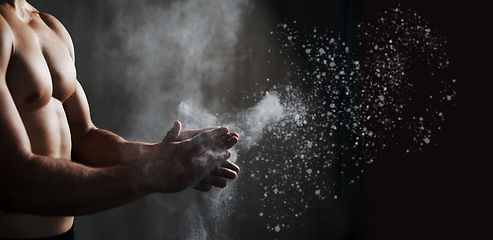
199, 160
218, 177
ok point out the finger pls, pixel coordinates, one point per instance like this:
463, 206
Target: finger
215, 181
192, 133
235, 134
172, 134
187, 134
207, 136
204, 187
225, 173
226, 143
230, 165
219, 144
214, 159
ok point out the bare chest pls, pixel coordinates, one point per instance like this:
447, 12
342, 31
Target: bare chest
40, 68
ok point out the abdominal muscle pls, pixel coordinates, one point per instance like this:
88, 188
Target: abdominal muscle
49, 134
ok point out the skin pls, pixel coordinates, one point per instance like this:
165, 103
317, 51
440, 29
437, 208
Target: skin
54, 163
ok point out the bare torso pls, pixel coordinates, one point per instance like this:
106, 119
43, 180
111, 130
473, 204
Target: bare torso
40, 77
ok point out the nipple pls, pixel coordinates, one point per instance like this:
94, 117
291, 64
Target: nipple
32, 98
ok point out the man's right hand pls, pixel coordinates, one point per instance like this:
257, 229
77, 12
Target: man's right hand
199, 161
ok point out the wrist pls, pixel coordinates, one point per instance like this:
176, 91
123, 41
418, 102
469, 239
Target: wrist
144, 168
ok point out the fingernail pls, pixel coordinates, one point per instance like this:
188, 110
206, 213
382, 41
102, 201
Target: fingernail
224, 129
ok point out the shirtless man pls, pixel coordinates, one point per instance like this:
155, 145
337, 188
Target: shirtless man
54, 163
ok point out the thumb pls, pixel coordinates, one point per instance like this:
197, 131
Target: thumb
173, 133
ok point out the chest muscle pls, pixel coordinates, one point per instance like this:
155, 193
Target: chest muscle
40, 68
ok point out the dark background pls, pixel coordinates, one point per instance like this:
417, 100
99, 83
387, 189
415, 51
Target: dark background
442, 193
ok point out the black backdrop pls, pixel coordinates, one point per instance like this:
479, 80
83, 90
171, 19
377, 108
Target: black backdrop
443, 193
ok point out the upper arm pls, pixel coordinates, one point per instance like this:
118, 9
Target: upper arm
76, 107
78, 114
13, 135
90, 145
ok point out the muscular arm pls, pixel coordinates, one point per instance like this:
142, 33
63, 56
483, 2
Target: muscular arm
43, 185
98, 147
101, 148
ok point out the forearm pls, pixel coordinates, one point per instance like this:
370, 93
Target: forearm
100, 148
47, 186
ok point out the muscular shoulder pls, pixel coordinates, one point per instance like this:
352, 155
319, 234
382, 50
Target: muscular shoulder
59, 29
52, 22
